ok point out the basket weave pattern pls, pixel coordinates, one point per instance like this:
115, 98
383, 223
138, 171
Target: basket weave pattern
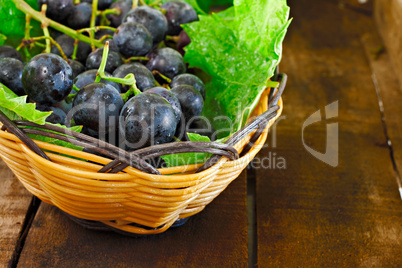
132, 196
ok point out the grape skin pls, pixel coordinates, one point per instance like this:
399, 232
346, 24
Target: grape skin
170, 97
58, 116
178, 13
132, 39
57, 10
152, 19
97, 107
67, 45
147, 119
88, 77
144, 78
191, 101
167, 61
11, 74
191, 80
47, 78
80, 17
94, 59
10, 52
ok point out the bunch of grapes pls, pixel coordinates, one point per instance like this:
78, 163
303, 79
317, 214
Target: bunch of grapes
137, 90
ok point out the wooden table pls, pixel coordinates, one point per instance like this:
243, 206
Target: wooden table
307, 214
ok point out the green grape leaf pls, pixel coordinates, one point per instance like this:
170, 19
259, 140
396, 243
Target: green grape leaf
56, 141
174, 160
12, 22
207, 4
17, 108
240, 51
3, 38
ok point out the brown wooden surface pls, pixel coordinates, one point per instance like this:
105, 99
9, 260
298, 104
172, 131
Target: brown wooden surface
14, 202
312, 214
215, 237
389, 21
308, 214
390, 93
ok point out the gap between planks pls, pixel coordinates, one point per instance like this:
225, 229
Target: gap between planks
383, 76
251, 217
29, 218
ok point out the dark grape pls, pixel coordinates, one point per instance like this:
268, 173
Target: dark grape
97, 107
66, 107
58, 116
190, 99
112, 46
102, 4
47, 78
147, 119
178, 13
184, 40
132, 39
144, 78
94, 59
67, 45
9, 52
77, 67
102, 32
152, 19
80, 17
167, 61
191, 80
88, 77
123, 6
11, 73
57, 10
170, 97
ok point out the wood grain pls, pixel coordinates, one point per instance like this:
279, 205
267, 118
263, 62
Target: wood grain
312, 214
215, 237
390, 93
389, 22
14, 200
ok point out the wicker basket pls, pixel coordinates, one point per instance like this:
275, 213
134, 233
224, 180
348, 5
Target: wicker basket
134, 200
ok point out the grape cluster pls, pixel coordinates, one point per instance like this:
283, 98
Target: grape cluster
81, 86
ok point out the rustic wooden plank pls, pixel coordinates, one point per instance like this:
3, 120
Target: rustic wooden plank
215, 237
389, 22
312, 214
390, 93
14, 200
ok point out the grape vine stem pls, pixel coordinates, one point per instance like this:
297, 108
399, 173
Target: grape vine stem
24, 7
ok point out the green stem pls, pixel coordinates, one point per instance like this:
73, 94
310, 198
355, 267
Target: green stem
112, 11
132, 91
135, 58
48, 42
74, 56
27, 26
103, 38
46, 30
128, 80
39, 44
25, 8
101, 70
135, 4
34, 39
96, 28
71, 97
104, 20
167, 79
93, 19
